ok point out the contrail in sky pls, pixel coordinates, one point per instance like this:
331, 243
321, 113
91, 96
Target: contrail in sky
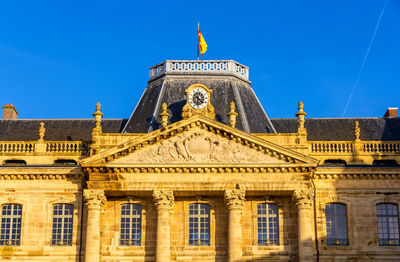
365, 59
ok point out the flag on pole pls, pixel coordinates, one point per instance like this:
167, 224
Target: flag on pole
202, 42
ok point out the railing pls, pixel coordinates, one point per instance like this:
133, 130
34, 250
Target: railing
17, 147
213, 67
335, 147
74, 147
347, 147
381, 147
67, 147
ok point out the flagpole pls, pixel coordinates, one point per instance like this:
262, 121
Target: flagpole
198, 41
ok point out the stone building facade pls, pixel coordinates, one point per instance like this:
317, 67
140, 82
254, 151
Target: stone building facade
199, 173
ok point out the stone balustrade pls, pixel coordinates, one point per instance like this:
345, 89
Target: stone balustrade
212, 67
347, 147
334, 147
15, 147
55, 147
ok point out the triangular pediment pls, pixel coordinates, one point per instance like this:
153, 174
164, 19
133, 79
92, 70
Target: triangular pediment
198, 140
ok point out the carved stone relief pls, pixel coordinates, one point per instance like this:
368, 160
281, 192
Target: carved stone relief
198, 146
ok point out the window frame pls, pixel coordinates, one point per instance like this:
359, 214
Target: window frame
19, 241
387, 216
199, 222
346, 216
267, 217
63, 218
140, 241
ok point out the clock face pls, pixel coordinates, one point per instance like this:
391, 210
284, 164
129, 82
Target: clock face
198, 98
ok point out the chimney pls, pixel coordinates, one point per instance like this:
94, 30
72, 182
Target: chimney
391, 112
9, 112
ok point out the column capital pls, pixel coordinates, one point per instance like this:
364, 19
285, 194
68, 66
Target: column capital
234, 198
303, 197
95, 198
163, 199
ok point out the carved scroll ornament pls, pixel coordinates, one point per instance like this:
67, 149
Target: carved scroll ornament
198, 147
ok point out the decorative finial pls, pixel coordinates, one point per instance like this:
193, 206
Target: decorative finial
232, 115
357, 131
300, 115
42, 131
164, 115
98, 115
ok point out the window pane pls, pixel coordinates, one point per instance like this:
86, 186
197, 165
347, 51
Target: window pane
267, 224
388, 224
131, 225
10, 233
62, 225
336, 225
199, 225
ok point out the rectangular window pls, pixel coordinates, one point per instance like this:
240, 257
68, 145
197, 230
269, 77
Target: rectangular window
199, 225
62, 225
336, 225
131, 225
388, 224
11, 225
267, 225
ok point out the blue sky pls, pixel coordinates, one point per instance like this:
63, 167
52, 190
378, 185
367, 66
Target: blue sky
58, 58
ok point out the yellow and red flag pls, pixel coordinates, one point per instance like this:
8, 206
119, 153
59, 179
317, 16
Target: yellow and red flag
202, 42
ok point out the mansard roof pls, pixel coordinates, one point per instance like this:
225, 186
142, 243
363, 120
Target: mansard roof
341, 129
226, 78
318, 129
56, 129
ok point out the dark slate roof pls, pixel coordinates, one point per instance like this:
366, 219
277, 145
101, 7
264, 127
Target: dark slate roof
171, 90
339, 129
56, 129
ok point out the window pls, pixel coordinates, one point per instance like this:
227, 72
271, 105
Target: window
131, 225
11, 225
199, 225
267, 224
62, 225
388, 224
336, 225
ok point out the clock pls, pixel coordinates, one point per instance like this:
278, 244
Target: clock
198, 98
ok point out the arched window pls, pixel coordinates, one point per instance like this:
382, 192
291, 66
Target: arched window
131, 225
336, 224
267, 224
388, 224
11, 225
62, 225
199, 225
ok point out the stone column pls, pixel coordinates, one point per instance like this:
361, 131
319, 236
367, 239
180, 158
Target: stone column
95, 200
164, 202
234, 200
304, 202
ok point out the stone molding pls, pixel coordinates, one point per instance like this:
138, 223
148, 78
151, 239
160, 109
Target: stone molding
94, 198
303, 197
235, 198
163, 199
